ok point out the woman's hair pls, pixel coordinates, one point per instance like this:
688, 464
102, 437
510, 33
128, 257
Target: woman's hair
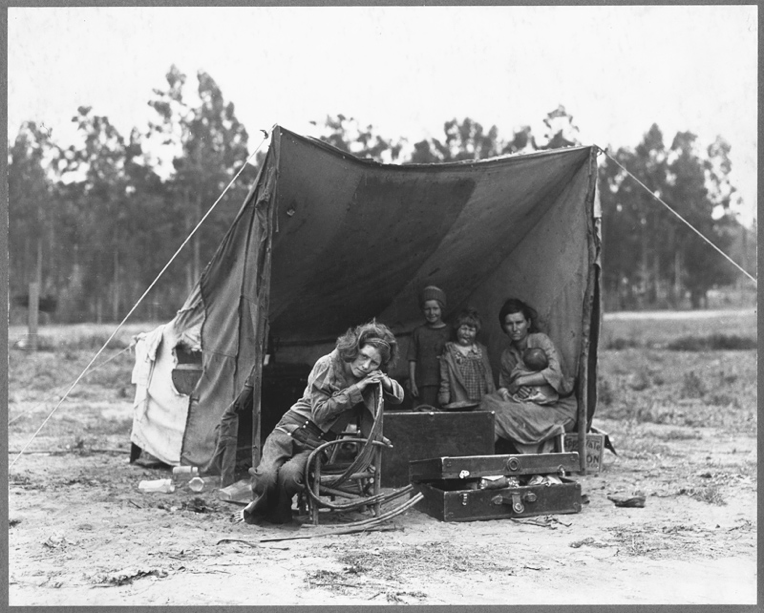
373, 333
514, 305
468, 316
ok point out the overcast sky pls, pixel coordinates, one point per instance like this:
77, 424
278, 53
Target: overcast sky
406, 70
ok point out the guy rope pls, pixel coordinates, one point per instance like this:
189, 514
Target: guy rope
689, 225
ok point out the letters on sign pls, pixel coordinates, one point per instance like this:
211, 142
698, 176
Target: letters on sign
593, 448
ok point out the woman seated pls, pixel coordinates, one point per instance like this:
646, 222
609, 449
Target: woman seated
529, 420
339, 389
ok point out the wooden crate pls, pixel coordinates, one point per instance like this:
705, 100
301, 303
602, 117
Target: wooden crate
595, 446
418, 435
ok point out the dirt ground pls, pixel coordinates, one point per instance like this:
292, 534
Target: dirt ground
81, 533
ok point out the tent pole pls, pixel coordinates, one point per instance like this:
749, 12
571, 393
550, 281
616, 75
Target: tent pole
256, 407
590, 311
265, 220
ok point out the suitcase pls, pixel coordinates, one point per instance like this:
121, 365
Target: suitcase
421, 435
449, 486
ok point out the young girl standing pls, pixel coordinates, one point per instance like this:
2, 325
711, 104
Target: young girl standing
465, 372
427, 343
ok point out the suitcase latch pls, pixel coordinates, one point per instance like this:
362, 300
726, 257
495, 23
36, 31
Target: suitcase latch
515, 499
517, 503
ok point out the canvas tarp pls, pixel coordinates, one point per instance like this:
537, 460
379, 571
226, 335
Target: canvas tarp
325, 241
159, 410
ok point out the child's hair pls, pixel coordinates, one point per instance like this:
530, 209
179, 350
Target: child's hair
431, 292
468, 316
373, 333
535, 358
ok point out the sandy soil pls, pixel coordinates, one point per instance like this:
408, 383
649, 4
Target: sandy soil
82, 534
684, 424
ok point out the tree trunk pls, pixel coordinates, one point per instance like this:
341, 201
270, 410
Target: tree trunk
678, 279
33, 314
198, 239
659, 291
698, 298
34, 300
744, 250
115, 303
189, 227
25, 268
644, 269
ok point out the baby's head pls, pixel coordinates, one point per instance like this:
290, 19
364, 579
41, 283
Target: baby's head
535, 358
432, 301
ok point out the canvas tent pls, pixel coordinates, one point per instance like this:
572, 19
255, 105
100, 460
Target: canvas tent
325, 241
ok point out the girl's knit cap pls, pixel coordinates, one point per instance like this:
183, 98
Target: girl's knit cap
432, 292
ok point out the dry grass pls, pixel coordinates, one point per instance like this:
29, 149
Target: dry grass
428, 557
637, 386
656, 541
695, 330
679, 389
380, 570
708, 494
58, 337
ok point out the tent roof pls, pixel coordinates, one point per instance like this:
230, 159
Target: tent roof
357, 239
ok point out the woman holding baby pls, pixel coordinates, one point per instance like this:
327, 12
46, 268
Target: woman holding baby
534, 401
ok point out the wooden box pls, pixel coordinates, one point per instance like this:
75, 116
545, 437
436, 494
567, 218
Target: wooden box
418, 435
449, 484
595, 445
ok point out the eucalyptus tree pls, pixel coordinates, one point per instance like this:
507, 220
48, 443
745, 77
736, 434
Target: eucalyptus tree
462, 140
701, 191
30, 204
364, 141
208, 145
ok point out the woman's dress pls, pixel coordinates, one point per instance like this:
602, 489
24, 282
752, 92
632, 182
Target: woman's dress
526, 422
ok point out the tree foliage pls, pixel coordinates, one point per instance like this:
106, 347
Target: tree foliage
30, 205
347, 134
651, 256
107, 213
210, 145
